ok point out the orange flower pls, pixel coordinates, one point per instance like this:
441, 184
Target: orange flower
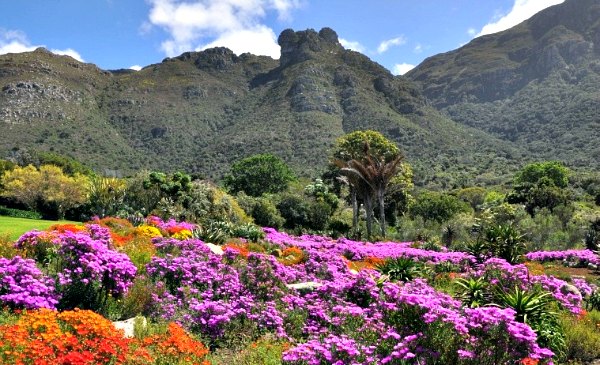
68, 227
374, 261
242, 248
535, 268
176, 344
119, 240
529, 361
292, 255
82, 337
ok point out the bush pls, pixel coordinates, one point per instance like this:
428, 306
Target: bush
259, 174
19, 213
295, 210
7, 246
436, 206
582, 337
265, 214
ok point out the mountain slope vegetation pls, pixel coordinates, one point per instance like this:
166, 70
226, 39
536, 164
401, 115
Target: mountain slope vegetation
466, 117
201, 111
536, 84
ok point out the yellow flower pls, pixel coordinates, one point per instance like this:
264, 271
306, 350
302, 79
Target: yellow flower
184, 234
148, 231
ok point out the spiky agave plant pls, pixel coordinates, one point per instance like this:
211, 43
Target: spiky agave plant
530, 306
473, 292
399, 269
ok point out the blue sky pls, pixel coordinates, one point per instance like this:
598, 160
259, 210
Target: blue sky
114, 34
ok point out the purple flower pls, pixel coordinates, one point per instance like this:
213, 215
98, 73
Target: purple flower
22, 285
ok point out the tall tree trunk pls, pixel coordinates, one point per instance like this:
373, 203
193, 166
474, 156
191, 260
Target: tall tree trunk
369, 209
380, 196
354, 210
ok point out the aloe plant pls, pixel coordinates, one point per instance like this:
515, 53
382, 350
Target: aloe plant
530, 306
473, 291
399, 269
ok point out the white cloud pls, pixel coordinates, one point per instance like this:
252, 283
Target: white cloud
68, 52
15, 41
355, 46
385, 45
135, 67
521, 10
418, 48
260, 40
471, 32
236, 24
402, 68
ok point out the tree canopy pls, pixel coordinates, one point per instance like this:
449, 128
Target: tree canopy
352, 146
48, 185
541, 185
259, 174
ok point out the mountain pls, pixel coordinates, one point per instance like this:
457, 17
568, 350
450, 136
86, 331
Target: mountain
536, 85
201, 111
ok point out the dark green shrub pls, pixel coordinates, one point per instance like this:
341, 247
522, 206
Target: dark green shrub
434, 206
259, 174
592, 236
19, 213
295, 210
264, 212
399, 269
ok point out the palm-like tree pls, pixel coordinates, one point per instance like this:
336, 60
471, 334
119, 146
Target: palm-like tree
370, 176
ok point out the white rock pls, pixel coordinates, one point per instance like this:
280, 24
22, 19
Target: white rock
216, 249
309, 285
127, 326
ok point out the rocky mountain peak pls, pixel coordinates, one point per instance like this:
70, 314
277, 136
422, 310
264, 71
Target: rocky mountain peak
304, 45
218, 58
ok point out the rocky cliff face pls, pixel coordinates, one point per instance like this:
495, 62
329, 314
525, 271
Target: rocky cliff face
301, 46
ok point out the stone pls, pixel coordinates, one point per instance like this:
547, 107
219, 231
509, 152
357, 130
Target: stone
309, 285
216, 249
128, 325
570, 289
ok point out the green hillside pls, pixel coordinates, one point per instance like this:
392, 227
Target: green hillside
203, 110
536, 85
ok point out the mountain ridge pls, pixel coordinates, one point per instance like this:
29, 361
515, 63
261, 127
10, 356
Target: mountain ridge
536, 84
201, 111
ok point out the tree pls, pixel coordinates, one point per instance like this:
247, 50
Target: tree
398, 195
474, 195
554, 172
369, 162
435, 206
24, 185
49, 186
259, 174
541, 185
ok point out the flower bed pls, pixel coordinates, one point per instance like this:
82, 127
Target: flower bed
344, 316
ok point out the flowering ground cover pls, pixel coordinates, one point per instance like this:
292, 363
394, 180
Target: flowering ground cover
358, 308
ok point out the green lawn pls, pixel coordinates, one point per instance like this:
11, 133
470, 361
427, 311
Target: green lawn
15, 227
